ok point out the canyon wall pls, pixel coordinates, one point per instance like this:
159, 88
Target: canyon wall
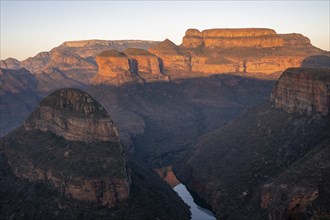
303, 90
273, 160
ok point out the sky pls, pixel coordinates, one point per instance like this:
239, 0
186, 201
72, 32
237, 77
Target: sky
30, 27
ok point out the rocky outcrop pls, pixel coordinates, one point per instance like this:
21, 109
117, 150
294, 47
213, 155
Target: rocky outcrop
132, 66
303, 90
145, 62
173, 57
74, 115
287, 202
145, 65
70, 142
113, 67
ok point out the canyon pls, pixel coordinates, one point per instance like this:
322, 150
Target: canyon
225, 107
274, 154
69, 147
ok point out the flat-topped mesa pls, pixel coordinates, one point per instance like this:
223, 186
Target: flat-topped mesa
228, 38
303, 90
173, 57
74, 115
143, 62
83, 43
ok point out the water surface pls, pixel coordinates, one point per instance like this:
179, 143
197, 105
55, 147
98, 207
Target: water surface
198, 211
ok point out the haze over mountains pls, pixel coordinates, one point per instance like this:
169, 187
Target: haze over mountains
240, 125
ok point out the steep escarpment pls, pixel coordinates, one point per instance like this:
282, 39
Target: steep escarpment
228, 38
70, 142
173, 57
114, 68
303, 90
267, 162
252, 51
132, 66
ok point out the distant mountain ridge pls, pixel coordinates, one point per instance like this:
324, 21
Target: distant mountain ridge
256, 51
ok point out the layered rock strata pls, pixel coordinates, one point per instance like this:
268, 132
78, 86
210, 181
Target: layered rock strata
145, 61
134, 65
257, 51
303, 90
70, 142
268, 162
229, 38
172, 56
73, 115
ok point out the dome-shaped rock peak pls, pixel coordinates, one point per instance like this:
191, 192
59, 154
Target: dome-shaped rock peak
74, 115
69, 142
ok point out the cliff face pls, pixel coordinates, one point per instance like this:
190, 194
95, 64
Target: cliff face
268, 162
256, 51
73, 115
145, 62
303, 90
113, 67
173, 57
70, 141
228, 38
134, 65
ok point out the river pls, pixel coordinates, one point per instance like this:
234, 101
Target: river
198, 211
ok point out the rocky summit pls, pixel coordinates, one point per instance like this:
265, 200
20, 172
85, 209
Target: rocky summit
70, 142
74, 115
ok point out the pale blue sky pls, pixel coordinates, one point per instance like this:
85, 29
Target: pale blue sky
29, 27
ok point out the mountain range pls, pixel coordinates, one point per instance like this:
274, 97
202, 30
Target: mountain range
242, 115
